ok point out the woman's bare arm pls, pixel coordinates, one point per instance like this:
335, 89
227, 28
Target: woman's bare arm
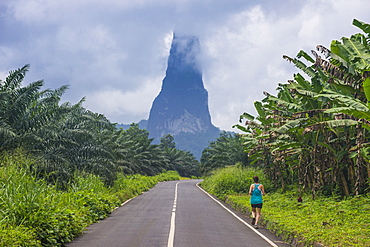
251, 189
263, 189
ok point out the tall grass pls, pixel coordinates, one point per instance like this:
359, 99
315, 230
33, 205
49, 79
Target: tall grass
233, 180
35, 213
28, 203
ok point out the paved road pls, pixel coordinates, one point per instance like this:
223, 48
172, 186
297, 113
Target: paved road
175, 213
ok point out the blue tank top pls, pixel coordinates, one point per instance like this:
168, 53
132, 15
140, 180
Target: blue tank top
256, 195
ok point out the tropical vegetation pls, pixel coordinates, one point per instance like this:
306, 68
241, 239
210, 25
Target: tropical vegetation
322, 221
315, 132
36, 213
226, 150
63, 167
309, 142
66, 138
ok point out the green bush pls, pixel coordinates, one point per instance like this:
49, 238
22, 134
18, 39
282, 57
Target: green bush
18, 236
88, 182
97, 205
233, 180
55, 227
168, 176
128, 186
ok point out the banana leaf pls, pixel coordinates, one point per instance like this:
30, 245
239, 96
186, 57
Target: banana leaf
362, 25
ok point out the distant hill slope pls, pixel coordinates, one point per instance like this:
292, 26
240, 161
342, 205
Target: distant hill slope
142, 125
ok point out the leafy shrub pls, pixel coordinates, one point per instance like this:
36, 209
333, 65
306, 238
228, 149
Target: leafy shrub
88, 182
233, 180
168, 176
128, 186
97, 205
55, 227
18, 236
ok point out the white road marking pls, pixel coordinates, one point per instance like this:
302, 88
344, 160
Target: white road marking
122, 204
240, 219
171, 236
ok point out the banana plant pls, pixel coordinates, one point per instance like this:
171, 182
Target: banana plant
305, 121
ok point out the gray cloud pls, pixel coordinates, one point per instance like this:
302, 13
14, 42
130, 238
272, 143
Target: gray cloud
114, 52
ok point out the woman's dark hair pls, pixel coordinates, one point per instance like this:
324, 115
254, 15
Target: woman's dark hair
256, 179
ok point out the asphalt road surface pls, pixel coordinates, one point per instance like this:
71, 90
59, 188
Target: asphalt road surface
175, 214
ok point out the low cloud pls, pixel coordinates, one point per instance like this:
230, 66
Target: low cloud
124, 106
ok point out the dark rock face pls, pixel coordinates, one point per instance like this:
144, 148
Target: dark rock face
182, 105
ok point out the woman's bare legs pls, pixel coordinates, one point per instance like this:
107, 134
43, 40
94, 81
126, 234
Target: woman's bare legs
257, 214
254, 215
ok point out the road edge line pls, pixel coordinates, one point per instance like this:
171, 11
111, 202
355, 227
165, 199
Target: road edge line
171, 235
240, 219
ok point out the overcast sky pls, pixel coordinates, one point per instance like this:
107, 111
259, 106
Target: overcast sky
114, 52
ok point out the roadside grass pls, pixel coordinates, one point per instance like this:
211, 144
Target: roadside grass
232, 180
323, 220
329, 221
34, 213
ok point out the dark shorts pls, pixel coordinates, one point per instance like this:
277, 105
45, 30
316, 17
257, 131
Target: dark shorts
257, 205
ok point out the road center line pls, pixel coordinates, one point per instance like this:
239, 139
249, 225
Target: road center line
240, 219
171, 236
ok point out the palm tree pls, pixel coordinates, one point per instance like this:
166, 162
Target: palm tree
66, 138
16, 119
227, 150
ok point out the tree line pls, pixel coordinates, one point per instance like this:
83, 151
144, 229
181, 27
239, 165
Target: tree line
66, 138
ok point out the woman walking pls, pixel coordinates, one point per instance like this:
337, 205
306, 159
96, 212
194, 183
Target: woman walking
256, 190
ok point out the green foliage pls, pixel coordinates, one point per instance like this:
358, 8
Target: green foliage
67, 138
35, 213
168, 176
88, 182
177, 160
195, 142
18, 236
167, 141
98, 205
225, 151
54, 226
27, 202
328, 221
233, 180
128, 186
314, 134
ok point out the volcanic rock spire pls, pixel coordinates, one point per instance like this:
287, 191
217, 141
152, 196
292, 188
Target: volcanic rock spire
182, 104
